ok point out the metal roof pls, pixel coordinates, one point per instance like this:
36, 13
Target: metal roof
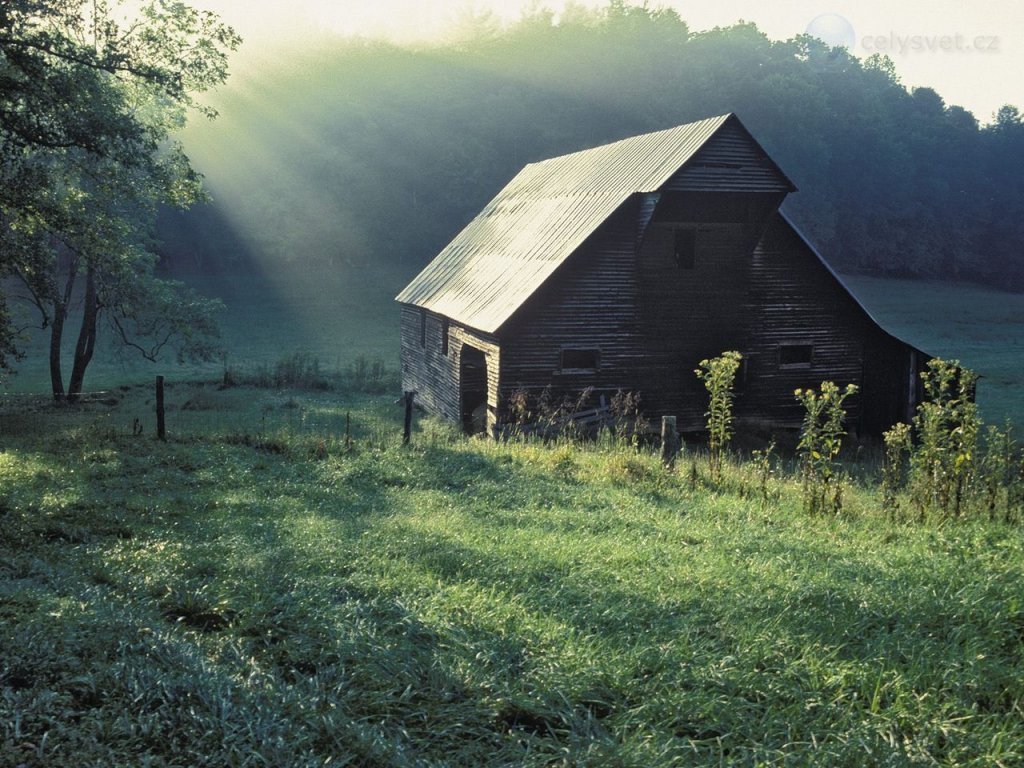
540, 218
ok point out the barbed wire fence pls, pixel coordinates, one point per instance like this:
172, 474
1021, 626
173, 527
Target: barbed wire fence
195, 409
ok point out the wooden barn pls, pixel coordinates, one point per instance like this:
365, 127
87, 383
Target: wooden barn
621, 267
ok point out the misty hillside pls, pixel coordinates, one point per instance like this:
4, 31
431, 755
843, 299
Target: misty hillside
367, 158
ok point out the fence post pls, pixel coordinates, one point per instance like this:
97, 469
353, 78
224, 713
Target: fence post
161, 430
669, 441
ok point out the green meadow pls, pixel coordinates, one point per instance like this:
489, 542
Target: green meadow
283, 583
337, 318
982, 328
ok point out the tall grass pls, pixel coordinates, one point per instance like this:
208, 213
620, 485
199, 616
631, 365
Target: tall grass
210, 601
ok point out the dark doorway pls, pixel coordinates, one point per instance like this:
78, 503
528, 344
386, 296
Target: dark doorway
473, 390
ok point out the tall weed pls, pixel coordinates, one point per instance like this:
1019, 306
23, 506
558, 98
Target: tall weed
943, 465
719, 376
821, 439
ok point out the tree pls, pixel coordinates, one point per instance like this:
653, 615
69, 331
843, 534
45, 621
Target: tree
90, 95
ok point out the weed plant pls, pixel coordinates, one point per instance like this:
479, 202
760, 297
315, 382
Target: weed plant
821, 440
719, 376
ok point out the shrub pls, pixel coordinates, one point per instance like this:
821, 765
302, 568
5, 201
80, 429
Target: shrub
996, 468
628, 423
762, 463
897, 448
372, 376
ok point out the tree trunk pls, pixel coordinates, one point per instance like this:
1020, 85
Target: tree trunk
56, 337
86, 343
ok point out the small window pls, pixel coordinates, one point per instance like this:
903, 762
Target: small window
732, 166
795, 355
685, 252
444, 336
423, 327
580, 359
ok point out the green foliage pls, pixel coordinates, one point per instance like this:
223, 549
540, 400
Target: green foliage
552, 415
944, 463
996, 470
762, 461
90, 102
951, 472
299, 370
897, 447
904, 188
372, 376
628, 421
719, 375
821, 439
304, 371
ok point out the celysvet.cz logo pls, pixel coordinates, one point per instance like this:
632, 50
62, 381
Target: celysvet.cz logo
837, 31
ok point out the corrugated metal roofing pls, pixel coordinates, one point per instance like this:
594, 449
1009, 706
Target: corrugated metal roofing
540, 218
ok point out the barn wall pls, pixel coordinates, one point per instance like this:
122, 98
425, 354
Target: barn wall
693, 311
754, 286
794, 299
434, 375
688, 314
590, 303
891, 383
624, 294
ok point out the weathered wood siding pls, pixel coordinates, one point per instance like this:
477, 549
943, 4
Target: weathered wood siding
730, 161
690, 313
589, 303
434, 375
892, 385
753, 285
687, 314
794, 299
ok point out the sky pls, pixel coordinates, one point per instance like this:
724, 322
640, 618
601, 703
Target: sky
972, 53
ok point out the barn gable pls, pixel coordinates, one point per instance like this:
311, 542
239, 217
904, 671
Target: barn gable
551, 207
731, 160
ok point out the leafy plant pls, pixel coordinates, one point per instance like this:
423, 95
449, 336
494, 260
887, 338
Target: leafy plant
996, 470
943, 465
719, 375
897, 448
821, 439
762, 461
627, 420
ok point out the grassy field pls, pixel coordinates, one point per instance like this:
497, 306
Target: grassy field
258, 591
982, 328
336, 318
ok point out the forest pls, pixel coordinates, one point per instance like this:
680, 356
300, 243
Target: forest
370, 154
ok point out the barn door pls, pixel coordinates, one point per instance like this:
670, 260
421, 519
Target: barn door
473, 390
